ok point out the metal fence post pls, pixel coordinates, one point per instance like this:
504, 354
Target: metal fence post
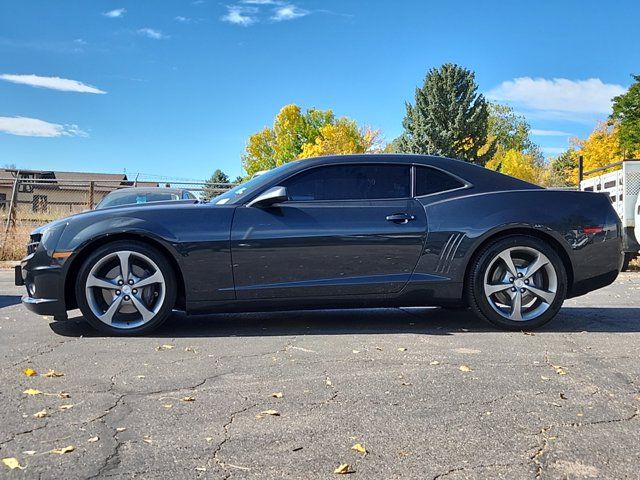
11, 218
91, 194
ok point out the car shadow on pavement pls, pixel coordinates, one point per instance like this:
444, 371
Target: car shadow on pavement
426, 321
8, 300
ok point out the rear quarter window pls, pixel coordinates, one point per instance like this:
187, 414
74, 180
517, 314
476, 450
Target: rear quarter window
430, 180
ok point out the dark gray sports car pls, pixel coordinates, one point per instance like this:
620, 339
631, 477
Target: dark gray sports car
342, 231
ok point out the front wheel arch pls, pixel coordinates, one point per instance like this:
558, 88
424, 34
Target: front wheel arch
564, 256
78, 259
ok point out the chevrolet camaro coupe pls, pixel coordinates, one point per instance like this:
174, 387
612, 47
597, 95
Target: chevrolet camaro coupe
348, 231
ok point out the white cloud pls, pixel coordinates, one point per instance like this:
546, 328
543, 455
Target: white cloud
288, 12
549, 133
152, 33
262, 2
182, 19
116, 13
54, 83
558, 97
33, 127
239, 15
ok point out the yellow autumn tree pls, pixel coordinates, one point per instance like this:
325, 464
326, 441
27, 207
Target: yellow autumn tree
599, 149
521, 165
296, 134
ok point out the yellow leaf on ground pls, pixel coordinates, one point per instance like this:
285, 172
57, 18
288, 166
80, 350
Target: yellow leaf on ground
358, 447
30, 372
166, 346
53, 374
121, 429
277, 394
32, 391
29, 452
12, 463
63, 450
559, 370
93, 439
434, 362
188, 399
465, 368
65, 407
343, 469
167, 405
41, 414
402, 349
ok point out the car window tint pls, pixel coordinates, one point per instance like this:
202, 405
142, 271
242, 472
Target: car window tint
430, 180
350, 182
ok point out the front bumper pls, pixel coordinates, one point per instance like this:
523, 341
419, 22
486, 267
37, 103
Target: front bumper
44, 285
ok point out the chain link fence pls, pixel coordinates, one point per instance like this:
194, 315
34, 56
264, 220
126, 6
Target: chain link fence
27, 202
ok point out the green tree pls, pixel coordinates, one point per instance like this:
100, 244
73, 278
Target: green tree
562, 168
449, 117
626, 110
296, 134
212, 186
510, 131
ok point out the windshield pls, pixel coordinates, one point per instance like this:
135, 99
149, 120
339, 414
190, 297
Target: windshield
129, 198
237, 193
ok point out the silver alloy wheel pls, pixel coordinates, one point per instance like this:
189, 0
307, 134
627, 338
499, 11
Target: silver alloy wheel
125, 289
520, 283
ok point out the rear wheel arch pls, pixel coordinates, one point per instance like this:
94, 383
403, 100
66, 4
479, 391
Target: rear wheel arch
553, 242
78, 260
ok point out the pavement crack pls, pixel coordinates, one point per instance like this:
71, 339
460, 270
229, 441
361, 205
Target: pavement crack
475, 467
226, 427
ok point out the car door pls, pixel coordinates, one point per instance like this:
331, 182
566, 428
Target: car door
346, 229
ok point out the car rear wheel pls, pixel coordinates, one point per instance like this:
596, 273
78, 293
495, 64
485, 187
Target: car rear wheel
126, 288
517, 283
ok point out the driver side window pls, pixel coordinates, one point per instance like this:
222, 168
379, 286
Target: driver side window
350, 182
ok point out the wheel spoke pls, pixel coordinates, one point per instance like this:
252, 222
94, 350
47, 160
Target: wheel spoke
544, 295
536, 265
94, 281
516, 307
508, 261
142, 308
124, 264
491, 289
107, 317
151, 279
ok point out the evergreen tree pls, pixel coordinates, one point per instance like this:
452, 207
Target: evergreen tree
212, 186
626, 109
449, 117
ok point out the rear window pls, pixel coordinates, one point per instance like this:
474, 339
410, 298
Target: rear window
430, 180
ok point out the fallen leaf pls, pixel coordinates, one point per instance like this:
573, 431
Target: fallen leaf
563, 396
377, 348
465, 368
63, 450
12, 463
559, 370
41, 414
402, 349
434, 362
208, 439
30, 372
121, 429
65, 407
273, 413
358, 447
29, 452
190, 349
93, 439
201, 469
147, 439
546, 379
404, 453
166, 346
328, 382
529, 333
53, 374
167, 405
355, 351
277, 394
343, 469
32, 391
141, 376
188, 399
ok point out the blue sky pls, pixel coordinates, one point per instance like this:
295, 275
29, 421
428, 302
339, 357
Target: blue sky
175, 87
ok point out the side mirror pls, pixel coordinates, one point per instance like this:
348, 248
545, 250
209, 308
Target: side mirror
270, 197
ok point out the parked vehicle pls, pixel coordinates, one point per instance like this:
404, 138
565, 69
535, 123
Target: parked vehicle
329, 232
144, 195
622, 186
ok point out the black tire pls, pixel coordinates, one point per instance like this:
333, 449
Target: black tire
163, 303
628, 257
486, 258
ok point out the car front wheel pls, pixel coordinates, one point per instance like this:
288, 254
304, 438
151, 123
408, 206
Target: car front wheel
126, 288
517, 282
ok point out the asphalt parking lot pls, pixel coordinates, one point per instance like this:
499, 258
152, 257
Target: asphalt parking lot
428, 393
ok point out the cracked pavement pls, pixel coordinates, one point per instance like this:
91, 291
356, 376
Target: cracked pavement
559, 403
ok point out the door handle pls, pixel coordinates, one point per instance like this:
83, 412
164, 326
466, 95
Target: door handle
400, 218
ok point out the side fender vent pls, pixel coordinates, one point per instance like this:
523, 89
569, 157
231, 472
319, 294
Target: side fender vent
448, 252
